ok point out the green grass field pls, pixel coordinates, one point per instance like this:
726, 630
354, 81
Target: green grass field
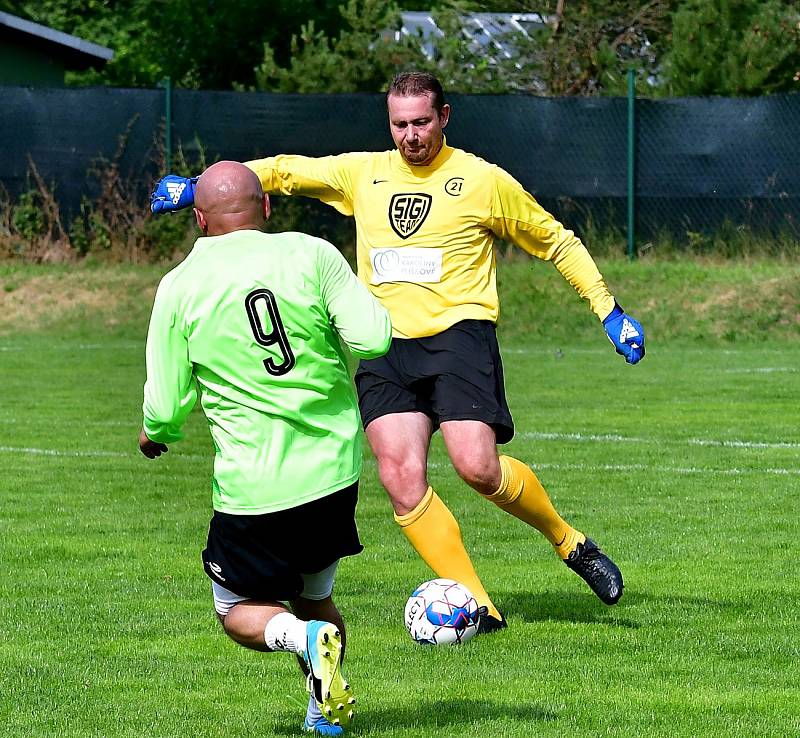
685, 468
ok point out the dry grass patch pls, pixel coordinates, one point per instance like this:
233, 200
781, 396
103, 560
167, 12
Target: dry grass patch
102, 295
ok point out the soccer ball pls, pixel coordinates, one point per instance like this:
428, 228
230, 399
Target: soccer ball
441, 611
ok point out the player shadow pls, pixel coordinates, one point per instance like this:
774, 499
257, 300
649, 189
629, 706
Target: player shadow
683, 601
583, 607
451, 716
679, 605
563, 607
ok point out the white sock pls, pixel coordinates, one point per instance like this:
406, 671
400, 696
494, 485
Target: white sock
285, 632
313, 712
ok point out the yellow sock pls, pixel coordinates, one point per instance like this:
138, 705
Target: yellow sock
521, 494
434, 533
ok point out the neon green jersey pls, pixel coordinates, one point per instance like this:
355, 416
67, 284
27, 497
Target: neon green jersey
253, 321
426, 234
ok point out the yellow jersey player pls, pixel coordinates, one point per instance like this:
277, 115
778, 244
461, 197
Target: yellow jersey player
427, 216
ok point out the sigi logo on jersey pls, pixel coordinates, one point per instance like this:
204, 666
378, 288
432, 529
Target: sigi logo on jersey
407, 212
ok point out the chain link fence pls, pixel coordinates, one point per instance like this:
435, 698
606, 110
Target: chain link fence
705, 162
700, 164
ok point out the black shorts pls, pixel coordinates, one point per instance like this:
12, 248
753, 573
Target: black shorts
454, 375
262, 557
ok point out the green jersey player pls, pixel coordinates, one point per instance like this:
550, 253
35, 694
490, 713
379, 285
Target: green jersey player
251, 322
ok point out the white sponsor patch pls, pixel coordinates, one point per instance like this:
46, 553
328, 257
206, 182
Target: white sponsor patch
406, 265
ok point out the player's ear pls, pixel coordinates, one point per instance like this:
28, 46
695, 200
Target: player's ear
444, 115
201, 220
266, 206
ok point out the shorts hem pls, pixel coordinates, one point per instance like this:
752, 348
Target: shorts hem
392, 411
503, 430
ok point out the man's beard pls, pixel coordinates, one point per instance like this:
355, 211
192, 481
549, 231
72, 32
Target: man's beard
423, 156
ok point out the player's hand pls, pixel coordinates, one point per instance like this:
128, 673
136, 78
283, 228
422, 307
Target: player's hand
626, 334
151, 449
173, 193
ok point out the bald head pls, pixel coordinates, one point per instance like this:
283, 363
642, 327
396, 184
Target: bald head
228, 197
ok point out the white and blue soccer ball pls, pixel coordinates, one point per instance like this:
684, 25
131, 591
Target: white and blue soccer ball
441, 611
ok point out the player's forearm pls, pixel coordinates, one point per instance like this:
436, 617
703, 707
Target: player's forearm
575, 263
361, 321
169, 392
164, 413
161, 432
287, 174
372, 334
265, 171
323, 178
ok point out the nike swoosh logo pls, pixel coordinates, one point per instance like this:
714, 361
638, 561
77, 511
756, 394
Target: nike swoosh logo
378, 181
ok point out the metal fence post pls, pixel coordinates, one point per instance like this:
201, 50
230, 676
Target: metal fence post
631, 163
167, 84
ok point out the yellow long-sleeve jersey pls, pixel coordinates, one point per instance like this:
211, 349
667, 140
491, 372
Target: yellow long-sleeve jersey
425, 234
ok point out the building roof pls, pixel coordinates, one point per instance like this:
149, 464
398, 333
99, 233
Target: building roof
491, 32
75, 51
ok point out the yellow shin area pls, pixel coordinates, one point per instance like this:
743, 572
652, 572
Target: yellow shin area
521, 494
435, 534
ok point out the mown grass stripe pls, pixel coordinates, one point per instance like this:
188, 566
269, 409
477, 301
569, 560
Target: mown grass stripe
88, 454
616, 438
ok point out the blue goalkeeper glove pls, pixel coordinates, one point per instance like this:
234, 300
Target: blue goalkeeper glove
173, 193
626, 334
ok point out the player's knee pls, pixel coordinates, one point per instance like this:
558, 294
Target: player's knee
233, 629
481, 473
244, 626
399, 475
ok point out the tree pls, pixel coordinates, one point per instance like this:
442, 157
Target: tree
677, 47
199, 43
733, 47
369, 51
360, 59
587, 46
